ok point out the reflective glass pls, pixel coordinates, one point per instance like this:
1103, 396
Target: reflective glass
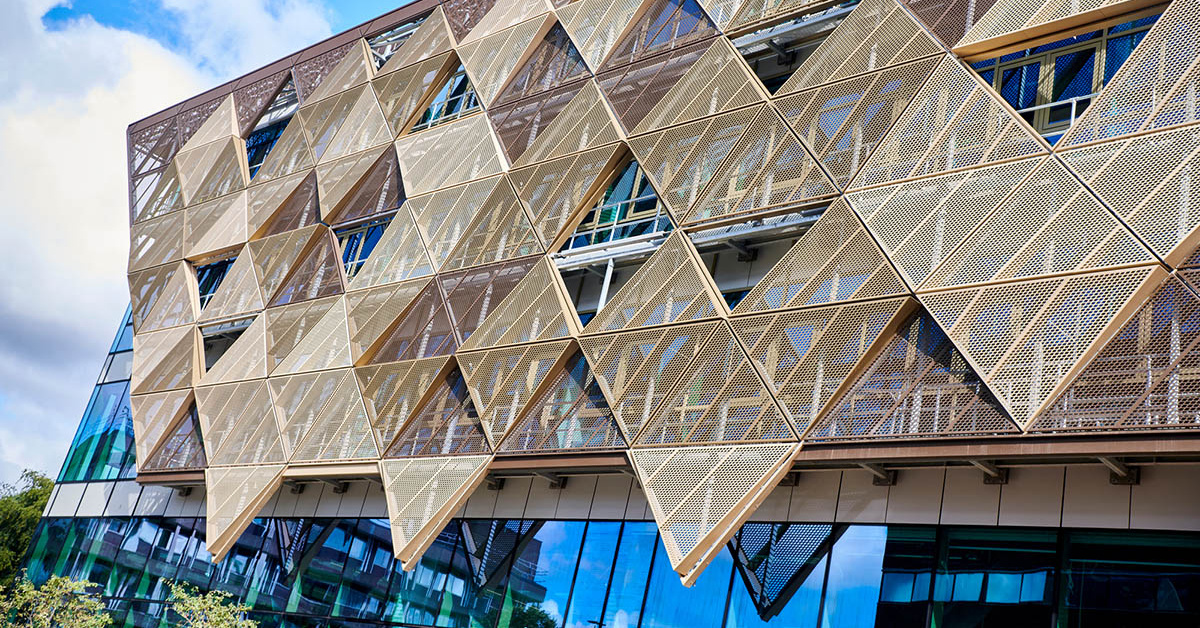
1130, 579
669, 604
103, 445
540, 579
631, 572
855, 574
596, 560
981, 578
369, 564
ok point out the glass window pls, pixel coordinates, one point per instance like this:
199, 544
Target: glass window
908, 562
124, 339
669, 604
1131, 579
271, 125
385, 44
454, 100
995, 577
628, 208
780, 574
369, 563
209, 278
855, 574
540, 578
586, 609
103, 446
118, 366
631, 572
357, 243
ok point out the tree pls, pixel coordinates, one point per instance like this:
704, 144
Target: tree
530, 616
21, 506
59, 603
207, 610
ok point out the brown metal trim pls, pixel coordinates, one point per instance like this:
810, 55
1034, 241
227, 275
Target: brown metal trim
379, 24
1019, 447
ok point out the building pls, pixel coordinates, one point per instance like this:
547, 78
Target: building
660, 313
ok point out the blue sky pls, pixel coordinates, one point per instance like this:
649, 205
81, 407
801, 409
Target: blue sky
75, 75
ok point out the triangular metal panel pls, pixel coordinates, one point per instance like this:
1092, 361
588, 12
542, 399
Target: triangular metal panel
325, 345
317, 273
719, 81
445, 424
672, 286
234, 496
584, 123
156, 242
835, 260
443, 216
948, 21
213, 170
239, 424
571, 414
216, 225
337, 180
245, 359
954, 121
393, 392
152, 416
504, 15
275, 256
356, 68
634, 90
221, 124
502, 381
401, 93
422, 331
660, 26
181, 449
553, 63
491, 60
423, 494
371, 313
399, 255
430, 39
501, 232
449, 154
472, 294
558, 191
283, 204
238, 293
161, 195
341, 429
289, 155
720, 399
537, 309
163, 297
379, 191
519, 124
919, 386
700, 496
596, 25
808, 355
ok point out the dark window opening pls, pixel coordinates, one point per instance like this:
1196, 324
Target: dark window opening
270, 126
209, 278
454, 100
358, 241
1052, 85
629, 207
733, 297
775, 53
219, 337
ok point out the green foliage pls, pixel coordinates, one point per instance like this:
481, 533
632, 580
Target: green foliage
207, 610
530, 616
21, 506
59, 603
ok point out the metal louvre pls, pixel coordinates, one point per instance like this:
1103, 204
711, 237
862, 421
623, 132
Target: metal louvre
918, 386
807, 355
234, 496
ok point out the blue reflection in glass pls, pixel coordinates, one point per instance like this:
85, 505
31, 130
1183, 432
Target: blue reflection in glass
631, 572
855, 574
669, 604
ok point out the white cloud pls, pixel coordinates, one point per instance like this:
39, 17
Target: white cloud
66, 98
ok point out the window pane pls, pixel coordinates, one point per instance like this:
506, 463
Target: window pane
908, 562
591, 580
1019, 85
103, 446
1130, 579
630, 573
541, 576
855, 575
989, 568
669, 604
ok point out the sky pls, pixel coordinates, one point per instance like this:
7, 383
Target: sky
73, 76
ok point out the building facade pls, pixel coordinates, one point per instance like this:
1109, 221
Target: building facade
664, 313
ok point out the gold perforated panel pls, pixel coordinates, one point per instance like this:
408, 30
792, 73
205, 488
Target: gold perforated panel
162, 297
431, 38
445, 424
238, 424
1010, 16
353, 70
401, 93
158, 195
807, 354
155, 242
152, 415
1050, 224
768, 169
636, 370
537, 309
835, 260
399, 255
472, 294
288, 325
584, 123
596, 25
843, 122
918, 386
556, 191
234, 496
393, 391
324, 345
274, 256
246, 358
570, 414
953, 122
164, 360
877, 34
370, 313
920, 222
491, 60
501, 232
216, 225
220, 124
290, 154
449, 154
238, 292
1024, 338
700, 496
672, 286
299, 400
341, 429
423, 331
683, 159
422, 494
337, 179
443, 216
1147, 180
721, 398
719, 81
213, 170
502, 381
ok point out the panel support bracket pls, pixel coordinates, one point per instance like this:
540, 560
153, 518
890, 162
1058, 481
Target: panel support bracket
991, 473
556, 481
883, 477
1120, 473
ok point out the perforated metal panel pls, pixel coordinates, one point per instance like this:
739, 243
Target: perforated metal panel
876, 34
317, 273
152, 416
636, 370
720, 399
216, 225
807, 354
502, 381
597, 24
288, 326
472, 294
234, 496
501, 232
633, 90
239, 424
401, 93
282, 204
701, 495
423, 331
164, 360
156, 242
953, 122
768, 169
537, 309
949, 21
371, 313
920, 222
719, 81
422, 495
570, 414
245, 359
453, 153
1024, 338
672, 286
336, 179
446, 423
399, 255
274, 256
918, 386
394, 391
583, 123
443, 216
290, 154
835, 260
162, 297
1010, 16
491, 60
431, 38
1143, 378
341, 429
